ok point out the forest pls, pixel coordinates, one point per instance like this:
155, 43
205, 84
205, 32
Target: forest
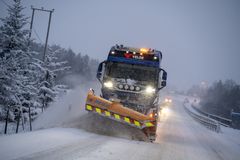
221, 98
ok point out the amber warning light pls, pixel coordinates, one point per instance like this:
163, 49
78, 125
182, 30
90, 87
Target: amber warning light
144, 50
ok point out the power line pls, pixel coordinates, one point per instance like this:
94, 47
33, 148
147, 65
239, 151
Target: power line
38, 37
49, 22
34, 30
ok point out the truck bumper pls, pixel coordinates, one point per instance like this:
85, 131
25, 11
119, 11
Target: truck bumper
117, 112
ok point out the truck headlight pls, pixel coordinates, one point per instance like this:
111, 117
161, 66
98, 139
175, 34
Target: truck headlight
126, 87
138, 88
150, 89
132, 88
120, 86
108, 84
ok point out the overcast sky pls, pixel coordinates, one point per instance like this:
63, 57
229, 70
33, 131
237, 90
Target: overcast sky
200, 39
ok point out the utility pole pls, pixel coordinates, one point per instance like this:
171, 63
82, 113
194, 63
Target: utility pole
49, 22
31, 25
46, 42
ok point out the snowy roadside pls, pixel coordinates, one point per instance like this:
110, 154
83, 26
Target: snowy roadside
227, 134
68, 144
22, 144
66, 109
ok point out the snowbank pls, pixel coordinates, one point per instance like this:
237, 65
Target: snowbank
22, 144
66, 109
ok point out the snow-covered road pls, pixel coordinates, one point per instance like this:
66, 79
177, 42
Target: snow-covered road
179, 137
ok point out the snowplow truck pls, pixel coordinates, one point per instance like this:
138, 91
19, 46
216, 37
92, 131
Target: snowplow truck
131, 79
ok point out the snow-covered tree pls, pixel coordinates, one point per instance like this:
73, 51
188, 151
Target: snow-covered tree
13, 31
48, 87
17, 65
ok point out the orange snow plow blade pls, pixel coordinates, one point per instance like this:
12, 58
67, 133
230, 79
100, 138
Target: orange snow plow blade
118, 112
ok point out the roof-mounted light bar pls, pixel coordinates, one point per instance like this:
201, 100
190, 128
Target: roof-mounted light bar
144, 50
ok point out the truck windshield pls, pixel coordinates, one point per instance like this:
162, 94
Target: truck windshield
134, 72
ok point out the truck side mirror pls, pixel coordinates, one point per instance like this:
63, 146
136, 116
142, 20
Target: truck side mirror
99, 71
164, 75
164, 84
162, 79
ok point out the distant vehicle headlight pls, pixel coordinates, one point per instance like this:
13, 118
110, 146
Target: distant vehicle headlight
150, 89
108, 84
166, 100
165, 111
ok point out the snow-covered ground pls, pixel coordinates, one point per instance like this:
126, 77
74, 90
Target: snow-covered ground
179, 137
67, 109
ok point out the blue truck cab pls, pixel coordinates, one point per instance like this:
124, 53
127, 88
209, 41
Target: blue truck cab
133, 77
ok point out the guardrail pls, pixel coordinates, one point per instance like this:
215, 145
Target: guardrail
206, 121
223, 121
